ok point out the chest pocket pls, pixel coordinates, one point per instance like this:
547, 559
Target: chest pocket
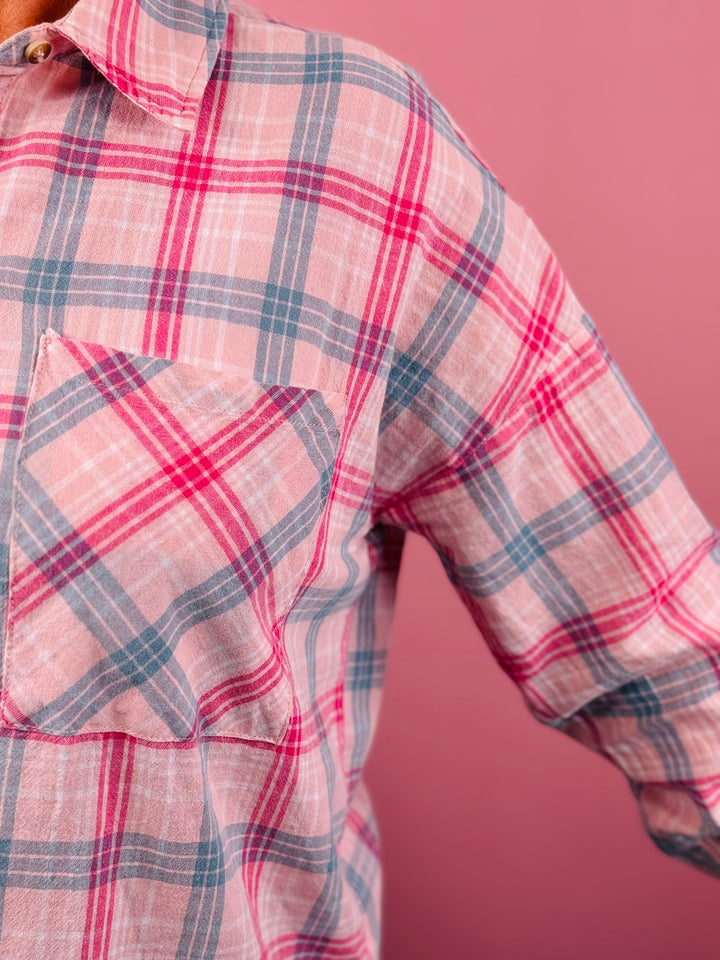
164, 516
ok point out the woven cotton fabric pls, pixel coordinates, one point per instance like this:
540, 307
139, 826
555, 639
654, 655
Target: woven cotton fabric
264, 308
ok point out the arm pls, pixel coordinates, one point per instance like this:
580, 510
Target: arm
511, 441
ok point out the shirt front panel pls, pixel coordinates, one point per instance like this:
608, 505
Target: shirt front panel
195, 340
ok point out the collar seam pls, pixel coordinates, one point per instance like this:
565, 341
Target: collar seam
203, 57
101, 63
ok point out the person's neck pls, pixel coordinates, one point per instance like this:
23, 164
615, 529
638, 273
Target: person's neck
16, 15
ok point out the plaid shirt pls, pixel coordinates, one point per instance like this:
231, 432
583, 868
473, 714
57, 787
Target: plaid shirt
264, 310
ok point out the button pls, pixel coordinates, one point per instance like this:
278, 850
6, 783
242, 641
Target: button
37, 51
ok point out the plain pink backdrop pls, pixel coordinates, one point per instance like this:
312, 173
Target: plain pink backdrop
502, 839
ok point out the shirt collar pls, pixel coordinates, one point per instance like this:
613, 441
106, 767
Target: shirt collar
159, 53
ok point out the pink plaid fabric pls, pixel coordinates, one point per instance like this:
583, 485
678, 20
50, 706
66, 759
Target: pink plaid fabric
264, 310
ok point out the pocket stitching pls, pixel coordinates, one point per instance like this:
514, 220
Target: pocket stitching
339, 429
13, 551
10, 600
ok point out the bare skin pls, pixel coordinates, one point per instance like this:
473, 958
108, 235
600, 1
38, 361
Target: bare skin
16, 15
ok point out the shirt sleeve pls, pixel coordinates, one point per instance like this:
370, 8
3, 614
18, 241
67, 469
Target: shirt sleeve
511, 441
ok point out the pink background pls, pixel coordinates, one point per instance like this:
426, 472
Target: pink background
502, 839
